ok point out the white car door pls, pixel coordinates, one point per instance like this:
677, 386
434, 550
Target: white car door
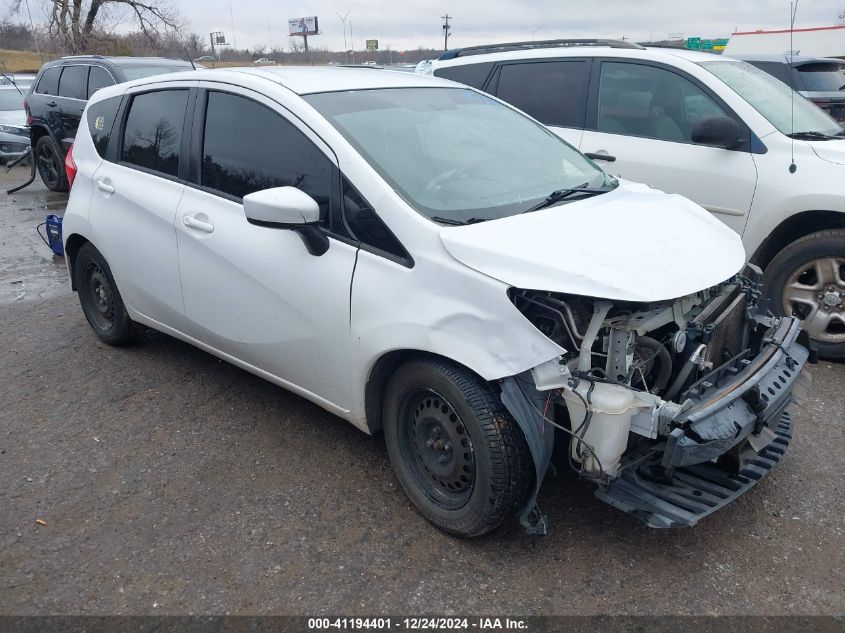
136, 193
644, 116
254, 292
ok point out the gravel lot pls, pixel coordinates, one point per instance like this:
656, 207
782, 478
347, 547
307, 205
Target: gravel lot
170, 482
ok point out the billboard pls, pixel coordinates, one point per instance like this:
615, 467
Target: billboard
303, 26
372, 45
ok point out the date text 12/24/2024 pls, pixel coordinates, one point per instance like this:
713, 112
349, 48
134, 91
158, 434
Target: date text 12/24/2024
418, 624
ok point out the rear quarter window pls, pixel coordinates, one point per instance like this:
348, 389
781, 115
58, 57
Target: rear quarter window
49, 82
101, 117
469, 74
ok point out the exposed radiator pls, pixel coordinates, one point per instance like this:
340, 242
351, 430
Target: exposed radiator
723, 322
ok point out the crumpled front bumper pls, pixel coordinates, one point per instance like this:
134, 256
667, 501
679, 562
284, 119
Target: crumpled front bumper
741, 420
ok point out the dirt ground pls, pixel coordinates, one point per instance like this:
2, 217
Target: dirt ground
170, 482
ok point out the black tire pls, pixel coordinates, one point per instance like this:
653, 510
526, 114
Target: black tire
795, 269
50, 161
100, 298
435, 410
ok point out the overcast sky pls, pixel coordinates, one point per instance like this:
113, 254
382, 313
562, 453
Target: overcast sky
404, 24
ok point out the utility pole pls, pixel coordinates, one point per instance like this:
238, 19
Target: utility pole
343, 19
446, 27
232, 19
351, 41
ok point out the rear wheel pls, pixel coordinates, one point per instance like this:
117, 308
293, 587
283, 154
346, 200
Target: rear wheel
807, 280
51, 164
100, 298
460, 457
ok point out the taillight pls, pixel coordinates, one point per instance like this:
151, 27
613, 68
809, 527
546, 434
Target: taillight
824, 104
70, 167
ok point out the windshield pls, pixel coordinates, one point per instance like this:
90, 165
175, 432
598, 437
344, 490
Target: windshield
456, 154
10, 99
785, 109
822, 77
139, 72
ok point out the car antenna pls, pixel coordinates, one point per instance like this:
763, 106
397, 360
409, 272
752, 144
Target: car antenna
793, 9
190, 59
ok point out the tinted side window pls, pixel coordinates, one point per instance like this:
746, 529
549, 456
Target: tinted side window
101, 117
73, 82
469, 74
365, 225
775, 69
98, 78
652, 102
153, 134
49, 82
554, 93
247, 147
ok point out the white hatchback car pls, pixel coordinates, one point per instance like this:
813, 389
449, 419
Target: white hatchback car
424, 260
729, 136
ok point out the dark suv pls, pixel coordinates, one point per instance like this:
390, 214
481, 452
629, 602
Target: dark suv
58, 95
821, 80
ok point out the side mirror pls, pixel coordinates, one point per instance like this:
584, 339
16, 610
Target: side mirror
288, 208
719, 131
285, 207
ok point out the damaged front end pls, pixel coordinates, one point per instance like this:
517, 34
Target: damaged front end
672, 408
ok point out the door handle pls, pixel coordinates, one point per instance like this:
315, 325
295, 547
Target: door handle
52, 104
199, 225
597, 156
104, 187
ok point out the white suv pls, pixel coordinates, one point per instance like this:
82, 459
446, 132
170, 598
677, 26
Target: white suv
424, 260
716, 130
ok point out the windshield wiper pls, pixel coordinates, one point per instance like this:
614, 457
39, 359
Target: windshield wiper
562, 194
811, 136
454, 222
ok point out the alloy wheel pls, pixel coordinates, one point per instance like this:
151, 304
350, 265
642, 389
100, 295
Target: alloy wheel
815, 293
48, 165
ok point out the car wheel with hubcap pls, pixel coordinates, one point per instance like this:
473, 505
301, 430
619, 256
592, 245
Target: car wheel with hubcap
51, 164
100, 298
459, 455
807, 280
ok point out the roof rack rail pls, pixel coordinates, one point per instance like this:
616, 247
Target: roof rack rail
83, 57
515, 46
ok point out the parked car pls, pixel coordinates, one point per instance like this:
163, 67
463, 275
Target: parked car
716, 130
54, 105
21, 80
822, 81
206, 58
263, 61
14, 132
424, 260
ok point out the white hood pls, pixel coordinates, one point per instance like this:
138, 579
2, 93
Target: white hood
13, 117
632, 244
831, 151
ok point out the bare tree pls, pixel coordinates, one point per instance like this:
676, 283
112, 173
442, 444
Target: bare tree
77, 23
841, 18
195, 44
296, 44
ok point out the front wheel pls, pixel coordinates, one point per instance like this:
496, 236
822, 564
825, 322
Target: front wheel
460, 457
807, 280
51, 164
